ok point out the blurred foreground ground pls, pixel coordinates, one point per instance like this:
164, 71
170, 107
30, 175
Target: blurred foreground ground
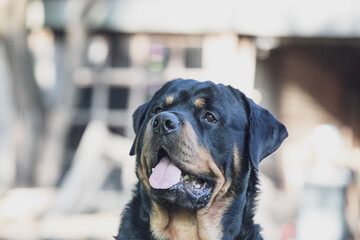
23, 216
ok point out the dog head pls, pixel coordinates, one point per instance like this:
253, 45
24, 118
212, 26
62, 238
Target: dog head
195, 140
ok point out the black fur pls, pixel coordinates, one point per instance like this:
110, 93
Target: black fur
252, 129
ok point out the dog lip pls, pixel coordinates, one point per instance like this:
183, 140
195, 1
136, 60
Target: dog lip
193, 197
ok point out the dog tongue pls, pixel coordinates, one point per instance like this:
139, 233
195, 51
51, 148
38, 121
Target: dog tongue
165, 174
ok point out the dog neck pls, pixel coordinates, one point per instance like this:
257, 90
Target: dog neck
238, 221
225, 219
178, 223
249, 230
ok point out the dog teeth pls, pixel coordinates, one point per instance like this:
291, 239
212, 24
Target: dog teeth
197, 185
152, 170
193, 181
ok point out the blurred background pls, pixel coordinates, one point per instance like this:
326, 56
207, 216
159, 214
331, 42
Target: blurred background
73, 71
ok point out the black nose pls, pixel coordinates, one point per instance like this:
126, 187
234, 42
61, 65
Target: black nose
165, 123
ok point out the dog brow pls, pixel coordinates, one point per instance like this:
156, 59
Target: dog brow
169, 100
199, 102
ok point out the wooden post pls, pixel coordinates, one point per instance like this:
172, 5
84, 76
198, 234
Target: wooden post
28, 103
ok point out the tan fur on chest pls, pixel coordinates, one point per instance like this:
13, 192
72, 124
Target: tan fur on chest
179, 224
182, 224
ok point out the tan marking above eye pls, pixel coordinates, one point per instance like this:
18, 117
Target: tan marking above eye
169, 100
199, 102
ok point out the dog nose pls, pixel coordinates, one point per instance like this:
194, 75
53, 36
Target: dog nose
165, 123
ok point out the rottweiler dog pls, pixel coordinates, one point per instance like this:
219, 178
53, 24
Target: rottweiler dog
198, 147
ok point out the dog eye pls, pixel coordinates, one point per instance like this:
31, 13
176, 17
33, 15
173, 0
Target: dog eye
210, 117
158, 110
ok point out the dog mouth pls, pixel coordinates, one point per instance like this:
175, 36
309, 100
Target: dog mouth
176, 186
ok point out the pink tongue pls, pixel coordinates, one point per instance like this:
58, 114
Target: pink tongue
165, 174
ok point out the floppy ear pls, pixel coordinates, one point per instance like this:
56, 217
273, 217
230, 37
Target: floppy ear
138, 119
266, 133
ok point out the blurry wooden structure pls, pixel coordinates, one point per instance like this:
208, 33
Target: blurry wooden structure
22, 108
7, 141
81, 208
98, 153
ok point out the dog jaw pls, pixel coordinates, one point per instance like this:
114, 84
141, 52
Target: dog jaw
202, 224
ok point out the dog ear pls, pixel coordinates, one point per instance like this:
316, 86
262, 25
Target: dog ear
138, 119
266, 133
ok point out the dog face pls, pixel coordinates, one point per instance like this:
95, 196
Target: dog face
197, 141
